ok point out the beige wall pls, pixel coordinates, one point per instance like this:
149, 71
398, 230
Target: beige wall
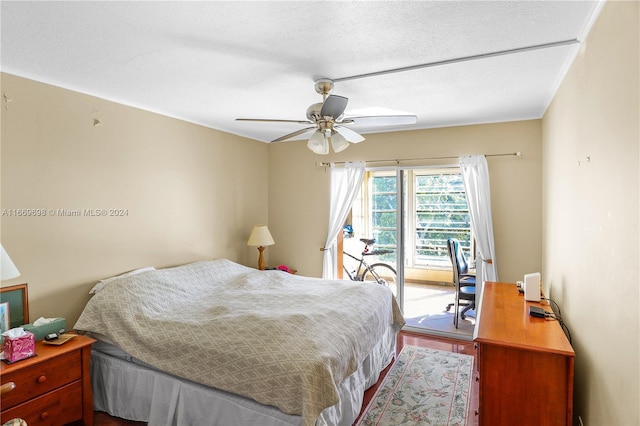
299, 190
591, 215
191, 193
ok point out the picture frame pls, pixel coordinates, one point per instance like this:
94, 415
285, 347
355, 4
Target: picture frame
4, 317
17, 299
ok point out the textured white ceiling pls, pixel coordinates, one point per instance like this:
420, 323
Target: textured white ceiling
211, 62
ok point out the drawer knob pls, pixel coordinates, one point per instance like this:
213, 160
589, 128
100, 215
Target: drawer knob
44, 415
42, 379
477, 378
475, 346
477, 413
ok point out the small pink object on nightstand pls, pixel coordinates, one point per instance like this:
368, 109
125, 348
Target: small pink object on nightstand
20, 347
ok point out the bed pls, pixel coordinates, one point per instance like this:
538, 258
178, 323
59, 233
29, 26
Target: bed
218, 343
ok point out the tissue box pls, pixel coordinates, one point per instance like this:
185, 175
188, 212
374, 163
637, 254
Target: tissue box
58, 325
18, 348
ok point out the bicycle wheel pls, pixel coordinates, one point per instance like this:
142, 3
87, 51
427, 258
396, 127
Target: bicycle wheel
382, 274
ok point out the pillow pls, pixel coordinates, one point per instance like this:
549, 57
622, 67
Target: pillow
100, 285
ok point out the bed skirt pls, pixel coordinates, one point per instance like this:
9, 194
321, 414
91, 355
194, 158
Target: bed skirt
129, 389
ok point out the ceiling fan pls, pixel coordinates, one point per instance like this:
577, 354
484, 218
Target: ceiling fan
327, 121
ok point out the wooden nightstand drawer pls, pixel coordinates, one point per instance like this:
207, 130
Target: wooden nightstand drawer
54, 408
41, 378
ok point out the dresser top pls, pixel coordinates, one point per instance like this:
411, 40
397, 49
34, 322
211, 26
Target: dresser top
45, 352
503, 319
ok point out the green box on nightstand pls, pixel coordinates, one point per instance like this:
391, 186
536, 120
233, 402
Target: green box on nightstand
58, 325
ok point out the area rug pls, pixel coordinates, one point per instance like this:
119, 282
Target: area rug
423, 387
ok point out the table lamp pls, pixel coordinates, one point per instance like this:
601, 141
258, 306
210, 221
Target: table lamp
261, 237
7, 269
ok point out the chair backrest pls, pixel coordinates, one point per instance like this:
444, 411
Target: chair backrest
458, 261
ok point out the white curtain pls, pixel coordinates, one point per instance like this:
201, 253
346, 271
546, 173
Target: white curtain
475, 174
345, 184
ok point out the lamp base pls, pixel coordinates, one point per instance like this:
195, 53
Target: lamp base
261, 258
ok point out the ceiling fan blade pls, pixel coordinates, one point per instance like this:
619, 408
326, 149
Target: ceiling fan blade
334, 106
381, 120
275, 120
293, 134
348, 134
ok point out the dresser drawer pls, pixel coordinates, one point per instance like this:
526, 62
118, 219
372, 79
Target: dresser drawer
41, 378
64, 405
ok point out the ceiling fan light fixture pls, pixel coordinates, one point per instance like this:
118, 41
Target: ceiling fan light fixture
318, 143
327, 119
338, 142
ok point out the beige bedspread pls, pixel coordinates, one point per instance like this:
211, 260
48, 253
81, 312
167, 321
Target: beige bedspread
280, 339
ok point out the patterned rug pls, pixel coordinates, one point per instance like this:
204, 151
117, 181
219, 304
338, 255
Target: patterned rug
423, 387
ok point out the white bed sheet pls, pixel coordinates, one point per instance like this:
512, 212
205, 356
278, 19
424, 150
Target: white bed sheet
128, 388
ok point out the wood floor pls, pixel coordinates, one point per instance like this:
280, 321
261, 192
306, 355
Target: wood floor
404, 338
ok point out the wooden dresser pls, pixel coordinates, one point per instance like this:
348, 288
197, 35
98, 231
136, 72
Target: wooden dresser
525, 364
52, 388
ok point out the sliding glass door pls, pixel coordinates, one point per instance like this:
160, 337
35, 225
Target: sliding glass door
411, 212
374, 231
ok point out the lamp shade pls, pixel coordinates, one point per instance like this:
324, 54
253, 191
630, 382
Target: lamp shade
318, 143
7, 269
260, 236
338, 142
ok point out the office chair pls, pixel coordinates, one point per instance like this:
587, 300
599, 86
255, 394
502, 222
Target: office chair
464, 282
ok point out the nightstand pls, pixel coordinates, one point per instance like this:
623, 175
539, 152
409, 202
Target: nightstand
53, 387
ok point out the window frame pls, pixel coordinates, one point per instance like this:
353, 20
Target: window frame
362, 210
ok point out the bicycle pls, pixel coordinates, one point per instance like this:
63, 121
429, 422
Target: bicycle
380, 273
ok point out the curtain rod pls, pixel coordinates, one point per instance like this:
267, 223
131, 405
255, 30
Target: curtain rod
398, 160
